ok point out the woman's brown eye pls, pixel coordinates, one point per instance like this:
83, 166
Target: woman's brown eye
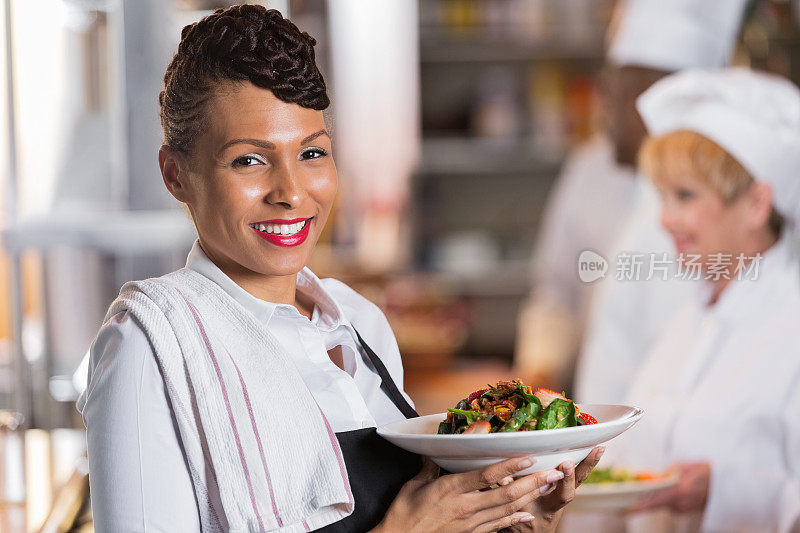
246, 161
313, 153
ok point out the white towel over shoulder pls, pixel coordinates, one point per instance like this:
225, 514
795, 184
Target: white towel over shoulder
247, 422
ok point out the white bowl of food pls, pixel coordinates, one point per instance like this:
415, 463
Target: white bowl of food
460, 450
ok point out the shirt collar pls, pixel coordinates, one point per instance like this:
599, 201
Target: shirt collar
327, 315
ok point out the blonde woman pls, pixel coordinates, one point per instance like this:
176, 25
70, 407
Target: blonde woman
722, 386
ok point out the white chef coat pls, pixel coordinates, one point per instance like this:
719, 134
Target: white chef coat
627, 316
551, 322
137, 469
723, 385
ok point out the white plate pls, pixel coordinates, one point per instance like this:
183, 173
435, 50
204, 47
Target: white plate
551, 447
617, 496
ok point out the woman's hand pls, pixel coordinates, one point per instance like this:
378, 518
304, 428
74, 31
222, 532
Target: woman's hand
549, 508
689, 494
458, 502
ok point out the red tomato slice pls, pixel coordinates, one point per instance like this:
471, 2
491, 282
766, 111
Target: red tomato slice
479, 426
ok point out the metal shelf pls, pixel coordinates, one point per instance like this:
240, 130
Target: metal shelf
497, 50
122, 233
479, 156
505, 278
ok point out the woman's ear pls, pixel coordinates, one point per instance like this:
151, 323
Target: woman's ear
173, 172
759, 204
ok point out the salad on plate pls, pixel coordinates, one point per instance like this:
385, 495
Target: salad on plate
620, 475
512, 406
618, 490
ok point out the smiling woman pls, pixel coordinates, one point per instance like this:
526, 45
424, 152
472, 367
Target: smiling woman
260, 162
242, 392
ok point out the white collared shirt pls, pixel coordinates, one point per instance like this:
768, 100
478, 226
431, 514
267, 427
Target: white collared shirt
127, 412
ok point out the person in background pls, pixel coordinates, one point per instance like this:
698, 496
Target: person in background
721, 386
552, 319
652, 38
598, 190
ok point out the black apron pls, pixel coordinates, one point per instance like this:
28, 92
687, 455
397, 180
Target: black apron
376, 467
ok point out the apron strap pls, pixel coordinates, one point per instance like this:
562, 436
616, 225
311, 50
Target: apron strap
387, 383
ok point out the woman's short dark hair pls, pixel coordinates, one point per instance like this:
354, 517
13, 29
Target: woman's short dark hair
240, 43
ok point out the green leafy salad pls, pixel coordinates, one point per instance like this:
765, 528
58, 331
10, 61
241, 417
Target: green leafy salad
618, 475
512, 406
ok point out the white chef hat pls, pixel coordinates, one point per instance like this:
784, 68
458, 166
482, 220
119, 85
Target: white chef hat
673, 35
754, 116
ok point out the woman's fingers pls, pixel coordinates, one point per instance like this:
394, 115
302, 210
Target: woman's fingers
505, 481
587, 465
485, 478
506, 521
565, 491
573, 477
512, 500
532, 485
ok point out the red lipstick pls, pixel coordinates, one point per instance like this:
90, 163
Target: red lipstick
283, 240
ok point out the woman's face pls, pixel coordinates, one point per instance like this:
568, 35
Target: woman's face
697, 218
260, 182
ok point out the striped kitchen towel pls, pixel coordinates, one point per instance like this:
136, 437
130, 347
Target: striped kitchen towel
247, 422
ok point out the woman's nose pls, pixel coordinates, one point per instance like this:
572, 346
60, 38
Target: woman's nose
667, 217
285, 189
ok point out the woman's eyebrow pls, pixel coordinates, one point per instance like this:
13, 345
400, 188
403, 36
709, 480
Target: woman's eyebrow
314, 136
255, 142
268, 145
